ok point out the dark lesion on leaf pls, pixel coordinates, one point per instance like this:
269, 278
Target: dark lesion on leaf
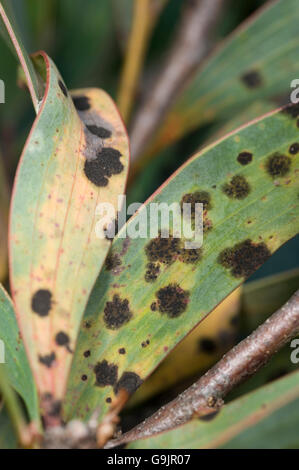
99, 131
244, 258
47, 360
62, 87
41, 302
117, 313
237, 188
81, 103
106, 374
278, 165
106, 164
252, 79
294, 148
244, 158
172, 300
129, 382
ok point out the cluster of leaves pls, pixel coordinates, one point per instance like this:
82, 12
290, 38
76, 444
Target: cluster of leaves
97, 316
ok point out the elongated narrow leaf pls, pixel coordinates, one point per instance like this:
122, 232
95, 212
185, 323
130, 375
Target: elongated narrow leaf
259, 60
197, 352
8, 438
265, 418
12, 353
9, 30
153, 292
67, 168
4, 203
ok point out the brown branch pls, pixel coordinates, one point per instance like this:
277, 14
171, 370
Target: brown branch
236, 366
190, 47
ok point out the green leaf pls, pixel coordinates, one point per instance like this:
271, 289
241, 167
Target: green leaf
8, 438
16, 364
265, 418
257, 61
147, 319
55, 253
4, 203
10, 31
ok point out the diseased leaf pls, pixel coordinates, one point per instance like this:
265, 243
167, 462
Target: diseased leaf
69, 165
265, 418
197, 352
257, 61
16, 364
9, 30
153, 292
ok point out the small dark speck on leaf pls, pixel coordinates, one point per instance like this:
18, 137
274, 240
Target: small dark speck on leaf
62, 87
129, 381
99, 131
42, 302
244, 158
81, 103
47, 360
294, 148
86, 353
252, 79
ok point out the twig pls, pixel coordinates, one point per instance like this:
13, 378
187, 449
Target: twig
235, 367
144, 16
189, 48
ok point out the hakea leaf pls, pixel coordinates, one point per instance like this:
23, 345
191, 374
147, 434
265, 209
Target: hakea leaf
9, 30
252, 421
12, 353
259, 60
73, 160
153, 292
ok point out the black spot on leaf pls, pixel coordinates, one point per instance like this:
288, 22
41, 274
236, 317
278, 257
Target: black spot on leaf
291, 110
237, 188
244, 258
62, 87
190, 256
106, 374
47, 360
252, 79
278, 165
152, 272
112, 261
41, 302
117, 313
172, 300
99, 131
244, 158
122, 351
86, 353
106, 164
62, 339
129, 381
84, 378
164, 250
294, 148
81, 103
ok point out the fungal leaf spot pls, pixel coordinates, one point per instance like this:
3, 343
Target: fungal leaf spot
41, 302
106, 374
105, 165
244, 258
172, 300
244, 158
81, 103
252, 79
237, 188
129, 381
99, 131
47, 360
278, 165
117, 313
